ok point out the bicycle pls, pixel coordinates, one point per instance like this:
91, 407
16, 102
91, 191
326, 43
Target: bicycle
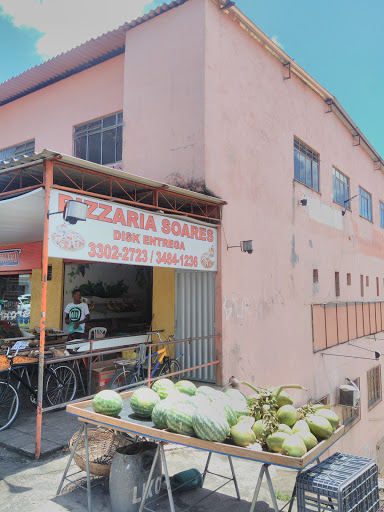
59, 387
130, 375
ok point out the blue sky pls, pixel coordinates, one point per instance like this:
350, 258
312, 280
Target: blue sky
339, 43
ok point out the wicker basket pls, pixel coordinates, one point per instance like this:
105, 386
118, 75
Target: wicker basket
102, 445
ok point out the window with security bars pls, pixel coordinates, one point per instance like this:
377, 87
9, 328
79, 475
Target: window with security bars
340, 188
365, 204
351, 415
306, 164
374, 386
381, 214
17, 151
100, 141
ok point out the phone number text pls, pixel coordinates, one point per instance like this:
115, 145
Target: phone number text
113, 252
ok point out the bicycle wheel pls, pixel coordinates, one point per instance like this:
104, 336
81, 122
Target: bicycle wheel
122, 378
171, 366
9, 405
60, 384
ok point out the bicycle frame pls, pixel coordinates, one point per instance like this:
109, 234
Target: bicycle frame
139, 370
12, 372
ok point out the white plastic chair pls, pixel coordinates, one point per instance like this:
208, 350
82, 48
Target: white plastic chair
97, 332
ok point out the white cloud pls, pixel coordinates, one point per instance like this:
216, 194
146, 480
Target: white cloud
274, 39
68, 23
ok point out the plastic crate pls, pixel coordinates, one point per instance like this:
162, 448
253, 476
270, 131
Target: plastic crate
342, 483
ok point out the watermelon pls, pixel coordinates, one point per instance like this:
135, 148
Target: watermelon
186, 386
160, 411
235, 394
107, 402
222, 405
210, 425
161, 383
205, 390
143, 401
179, 419
164, 390
197, 400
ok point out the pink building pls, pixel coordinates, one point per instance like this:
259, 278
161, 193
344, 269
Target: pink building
194, 90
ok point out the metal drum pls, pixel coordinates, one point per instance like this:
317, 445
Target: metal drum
130, 470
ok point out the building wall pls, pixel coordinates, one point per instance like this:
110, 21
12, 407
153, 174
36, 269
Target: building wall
202, 98
164, 95
251, 118
49, 115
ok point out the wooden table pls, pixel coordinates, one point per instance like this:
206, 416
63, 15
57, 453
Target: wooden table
128, 422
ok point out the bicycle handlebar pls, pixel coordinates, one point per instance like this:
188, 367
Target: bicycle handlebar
10, 357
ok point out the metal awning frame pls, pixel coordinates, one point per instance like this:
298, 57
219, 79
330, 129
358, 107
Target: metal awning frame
108, 184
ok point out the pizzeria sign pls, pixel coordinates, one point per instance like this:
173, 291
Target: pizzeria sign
115, 233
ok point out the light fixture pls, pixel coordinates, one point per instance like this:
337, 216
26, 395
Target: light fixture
345, 204
73, 211
376, 352
303, 202
245, 246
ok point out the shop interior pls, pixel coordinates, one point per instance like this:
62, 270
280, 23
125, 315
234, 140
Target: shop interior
15, 303
119, 297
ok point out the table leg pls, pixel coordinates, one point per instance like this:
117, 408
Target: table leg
264, 469
271, 490
292, 500
87, 467
167, 480
206, 466
70, 460
149, 478
234, 477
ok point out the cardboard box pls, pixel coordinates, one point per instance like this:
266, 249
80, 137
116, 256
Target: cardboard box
102, 372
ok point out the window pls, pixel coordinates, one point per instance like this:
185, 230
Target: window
374, 386
365, 204
349, 279
100, 141
362, 286
366, 281
306, 165
337, 284
341, 188
377, 286
315, 275
381, 214
18, 151
349, 414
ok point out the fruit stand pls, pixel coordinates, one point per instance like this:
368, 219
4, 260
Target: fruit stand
129, 422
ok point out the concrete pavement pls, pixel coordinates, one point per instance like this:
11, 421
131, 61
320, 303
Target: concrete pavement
29, 484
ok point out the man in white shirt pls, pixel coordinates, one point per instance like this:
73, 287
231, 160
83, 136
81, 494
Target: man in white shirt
76, 315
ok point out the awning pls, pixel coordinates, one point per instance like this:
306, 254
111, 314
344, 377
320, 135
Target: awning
22, 218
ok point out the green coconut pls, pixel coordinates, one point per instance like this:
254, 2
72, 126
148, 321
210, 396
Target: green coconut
242, 434
299, 426
319, 426
309, 439
294, 446
284, 399
259, 428
331, 416
287, 414
284, 428
275, 441
249, 420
